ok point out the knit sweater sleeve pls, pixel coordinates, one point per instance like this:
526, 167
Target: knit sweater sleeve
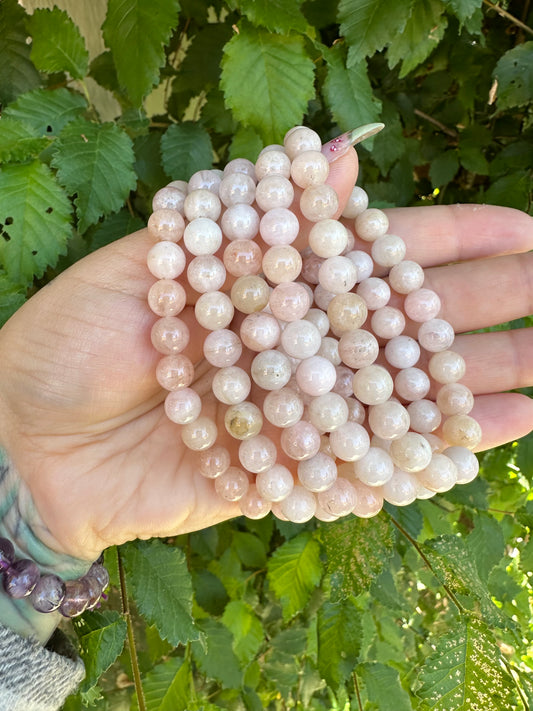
33, 677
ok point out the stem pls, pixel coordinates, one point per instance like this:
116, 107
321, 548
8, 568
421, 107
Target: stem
131, 637
357, 692
514, 673
508, 16
435, 122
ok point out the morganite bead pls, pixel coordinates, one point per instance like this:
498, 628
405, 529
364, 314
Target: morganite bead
206, 179
166, 225
301, 339
405, 277
357, 203
279, 226
214, 310
274, 484
48, 593
387, 322
181, 185
183, 406
411, 453
222, 348
289, 301
202, 236
401, 489
322, 297
271, 370
466, 462
242, 257
243, 420
411, 384
232, 485
422, 305
346, 312
76, 600
300, 139
174, 372
214, 461
375, 292
425, 416
301, 441
309, 168
236, 188
319, 319
274, 191
282, 263
206, 273
249, 294
372, 384
254, 506
328, 412
447, 367
310, 265
462, 431
371, 224
358, 348
329, 349
166, 260
356, 410
202, 203
167, 297
388, 250
436, 443
283, 407
240, 221
299, 506
402, 352
20, 578
240, 165
455, 399
231, 385
328, 238
319, 202
273, 162
337, 274
200, 434
363, 263
169, 198
389, 420
170, 335
374, 468
349, 441
440, 474
257, 454
436, 335
369, 502
339, 499
316, 375
260, 331
318, 472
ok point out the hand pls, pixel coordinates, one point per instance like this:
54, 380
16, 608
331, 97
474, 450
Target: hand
82, 415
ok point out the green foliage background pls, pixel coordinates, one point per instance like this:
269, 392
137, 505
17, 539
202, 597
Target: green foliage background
427, 607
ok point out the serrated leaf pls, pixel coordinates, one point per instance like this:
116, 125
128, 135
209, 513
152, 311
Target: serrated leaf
57, 44
511, 190
250, 549
217, 661
101, 636
357, 550
381, 684
136, 32
267, 80
524, 456
185, 148
18, 141
339, 640
283, 672
246, 629
276, 15
389, 145
464, 9
514, 73
369, 25
12, 296
348, 92
443, 168
95, 163
17, 72
486, 543
47, 111
245, 144
162, 589
113, 227
422, 33
294, 570
465, 672
292, 640
166, 687
201, 65
34, 221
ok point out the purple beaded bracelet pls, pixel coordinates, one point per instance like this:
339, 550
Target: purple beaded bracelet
48, 593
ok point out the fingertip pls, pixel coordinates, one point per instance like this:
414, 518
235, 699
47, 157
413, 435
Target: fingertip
342, 177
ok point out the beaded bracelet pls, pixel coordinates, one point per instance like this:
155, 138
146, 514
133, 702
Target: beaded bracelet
48, 593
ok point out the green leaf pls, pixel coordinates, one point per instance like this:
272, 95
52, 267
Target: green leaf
267, 80
166, 687
95, 163
136, 32
464, 9
381, 684
250, 549
101, 636
18, 141
294, 570
486, 543
246, 628
369, 25
245, 144
512, 190
201, 65
339, 640
34, 221
276, 15
17, 72
422, 33
465, 671
443, 168
47, 111
389, 145
162, 589
113, 227
218, 661
57, 44
12, 296
514, 73
348, 92
524, 456
357, 550
185, 148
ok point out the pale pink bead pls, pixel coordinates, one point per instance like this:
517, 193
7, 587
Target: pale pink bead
349, 442
311, 265
206, 273
319, 202
282, 264
462, 431
447, 367
169, 198
272, 147
174, 372
232, 485
425, 416
422, 305
436, 335
411, 453
325, 447
374, 468
466, 462
257, 454
240, 221
167, 297
299, 506
401, 489
274, 191
279, 226
289, 301
350, 244
339, 499
300, 441
328, 238
202, 203
214, 310
375, 292
358, 348
309, 168
301, 139
328, 412
250, 293
455, 399
181, 185
301, 339
200, 434
240, 165
166, 260
387, 322
406, 277
170, 335
318, 472
402, 352
254, 506
371, 224
231, 385
323, 297
202, 236
274, 162
436, 443
283, 407
388, 250
440, 474
411, 384
260, 331
166, 225
205, 179
316, 375
384, 444
343, 383
356, 410
346, 312
222, 348
423, 493
276, 510
183, 406
271, 370
388, 420
319, 319
243, 257
372, 384
337, 274
275, 484
329, 349
369, 502
363, 263
243, 420
357, 203
214, 461
236, 188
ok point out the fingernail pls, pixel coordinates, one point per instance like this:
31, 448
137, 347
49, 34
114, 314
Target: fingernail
337, 147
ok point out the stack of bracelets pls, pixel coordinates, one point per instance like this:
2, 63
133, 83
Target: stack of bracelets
342, 385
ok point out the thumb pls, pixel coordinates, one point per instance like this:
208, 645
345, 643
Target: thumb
342, 176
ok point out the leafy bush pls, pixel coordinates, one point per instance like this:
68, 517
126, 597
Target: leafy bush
426, 607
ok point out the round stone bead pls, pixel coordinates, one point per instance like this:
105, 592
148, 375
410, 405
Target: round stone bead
339, 499
222, 348
346, 312
363, 263
202, 236
274, 191
205, 179
422, 305
240, 221
254, 506
206, 273
250, 294
257, 454
94, 591
389, 420
316, 375
232, 485
200, 434
183, 406
357, 203
214, 461
301, 139
371, 224
328, 412
425, 416
20, 578
319, 319
401, 489
328, 238
358, 348
322, 297
260, 331
319, 202
455, 399
356, 410
271, 370
405, 277
374, 468
372, 384
167, 297
169, 198
231, 385
402, 352
436, 443
349, 441
242, 257
170, 335
274, 162
7, 553
329, 348
411, 453
447, 367
387, 322
369, 502
214, 310
289, 301
375, 292
389, 250
301, 339
299, 506
76, 600
236, 188
337, 274
100, 573
240, 165
243, 420
166, 260
440, 474
466, 462
310, 266
275, 484
317, 473
279, 226
436, 335
283, 407
309, 168
181, 185
174, 372
166, 225
462, 431
300, 441
282, 263
411, 384
202, 203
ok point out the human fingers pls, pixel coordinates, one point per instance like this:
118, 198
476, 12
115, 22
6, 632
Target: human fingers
503, 418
